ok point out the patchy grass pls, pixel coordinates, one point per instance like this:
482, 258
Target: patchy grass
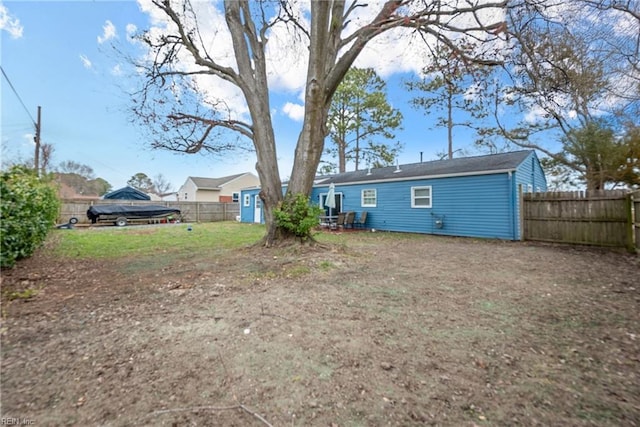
24, 295
165, 240
161, 326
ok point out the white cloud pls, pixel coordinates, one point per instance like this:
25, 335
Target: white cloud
10, 23
86, 62
28, 139
131, 30
294, 111
155, 14
287, 59
116, 70
108, 32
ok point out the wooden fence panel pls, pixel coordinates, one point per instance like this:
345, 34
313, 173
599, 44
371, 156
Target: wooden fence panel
595, 218
191, 211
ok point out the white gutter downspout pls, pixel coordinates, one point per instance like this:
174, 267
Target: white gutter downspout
513, 206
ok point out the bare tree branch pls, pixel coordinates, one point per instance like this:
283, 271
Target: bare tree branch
185, 40
235, 125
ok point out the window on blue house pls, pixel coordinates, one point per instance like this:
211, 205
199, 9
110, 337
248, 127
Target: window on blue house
247, 200
368, 198
421, 197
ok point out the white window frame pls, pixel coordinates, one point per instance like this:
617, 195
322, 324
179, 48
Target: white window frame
247, 200
374, 197
413, 197
235, 196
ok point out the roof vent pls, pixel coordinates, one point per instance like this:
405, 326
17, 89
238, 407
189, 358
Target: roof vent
369, 171
397, 169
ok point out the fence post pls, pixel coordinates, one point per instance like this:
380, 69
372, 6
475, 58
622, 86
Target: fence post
521, 211
631, 225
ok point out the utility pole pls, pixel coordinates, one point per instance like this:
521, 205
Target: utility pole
36, 139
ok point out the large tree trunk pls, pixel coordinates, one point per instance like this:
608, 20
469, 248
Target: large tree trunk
252, 80
317, 101
271, 185
310, 142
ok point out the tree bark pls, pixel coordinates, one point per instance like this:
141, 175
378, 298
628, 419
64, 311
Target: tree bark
252, 80
317, 97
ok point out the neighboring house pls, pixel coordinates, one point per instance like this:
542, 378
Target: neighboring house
470, 196
126, 193
225, 189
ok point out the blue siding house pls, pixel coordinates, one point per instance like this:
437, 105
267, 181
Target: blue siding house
469, 196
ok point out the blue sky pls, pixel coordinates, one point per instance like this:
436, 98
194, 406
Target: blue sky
60, 55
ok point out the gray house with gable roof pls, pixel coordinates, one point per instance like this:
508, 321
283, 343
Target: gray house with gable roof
469, 196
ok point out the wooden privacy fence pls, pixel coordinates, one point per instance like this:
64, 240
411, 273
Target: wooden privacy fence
600, 218
191, 211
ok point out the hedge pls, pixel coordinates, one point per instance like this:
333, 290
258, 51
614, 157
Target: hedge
28, 211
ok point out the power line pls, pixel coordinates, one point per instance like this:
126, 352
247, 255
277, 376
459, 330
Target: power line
18, 96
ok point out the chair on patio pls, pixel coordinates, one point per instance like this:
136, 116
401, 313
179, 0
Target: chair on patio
340, 221
349, 219
362, 221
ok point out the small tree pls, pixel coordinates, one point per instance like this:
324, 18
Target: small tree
451, 85
161, 185
73, 167
46, 154
629, 170
142, 182
607, 159
101, 186
360, 112
81, 178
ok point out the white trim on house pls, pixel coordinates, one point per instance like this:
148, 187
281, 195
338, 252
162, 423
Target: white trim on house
363, 198
415, 198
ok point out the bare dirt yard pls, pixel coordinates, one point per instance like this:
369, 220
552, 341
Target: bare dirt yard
373, 329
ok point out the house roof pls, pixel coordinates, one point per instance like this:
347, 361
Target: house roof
213, 183
491, 163
127, 193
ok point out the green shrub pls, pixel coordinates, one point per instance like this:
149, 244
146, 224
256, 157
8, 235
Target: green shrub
297, 215
29, 210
